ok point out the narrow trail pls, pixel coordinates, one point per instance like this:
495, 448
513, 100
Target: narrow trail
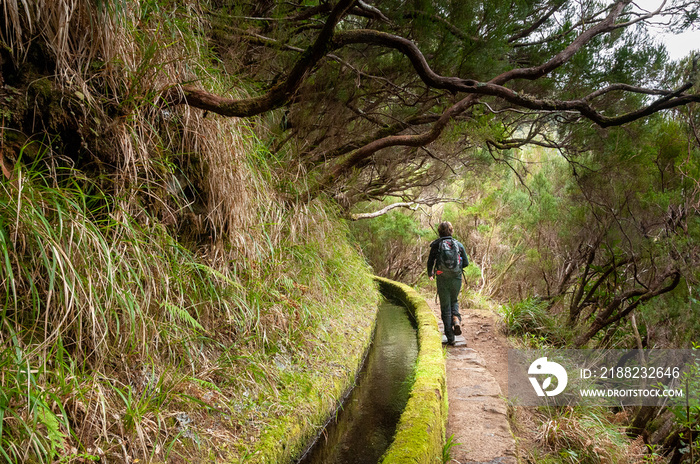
477, 382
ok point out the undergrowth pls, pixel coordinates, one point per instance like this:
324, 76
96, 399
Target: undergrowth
163, 298
530, 321
119, 341
585, 435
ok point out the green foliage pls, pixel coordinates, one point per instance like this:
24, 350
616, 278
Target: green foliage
672, 314
32, 418
66, 258
89, 284
388, 243
178, 284
472, 275
580, 435
531, 320
143, 235
686, 410
447, 449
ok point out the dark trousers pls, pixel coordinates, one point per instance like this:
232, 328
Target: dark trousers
448, 291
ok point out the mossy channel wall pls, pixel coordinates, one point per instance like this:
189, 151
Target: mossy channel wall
420, 435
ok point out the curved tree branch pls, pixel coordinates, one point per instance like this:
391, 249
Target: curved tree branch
613, 313
328, 40
279, 94
386, 131
412, 205
606, 25
408, 49
492, 88
535, 25
362, 153
625, 88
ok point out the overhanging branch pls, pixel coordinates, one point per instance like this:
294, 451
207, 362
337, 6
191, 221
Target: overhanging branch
412, 205
352, 156
279, 94
403, 204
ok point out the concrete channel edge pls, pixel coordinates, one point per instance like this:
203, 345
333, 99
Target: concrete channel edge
420, 435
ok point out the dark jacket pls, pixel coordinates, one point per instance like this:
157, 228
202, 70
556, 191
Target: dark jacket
433, 256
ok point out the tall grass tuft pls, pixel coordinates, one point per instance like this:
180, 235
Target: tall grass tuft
159, 300
531, 320
583, 435
91, 274
90, 286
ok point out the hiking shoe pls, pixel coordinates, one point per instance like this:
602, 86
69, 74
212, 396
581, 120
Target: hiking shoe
456, 329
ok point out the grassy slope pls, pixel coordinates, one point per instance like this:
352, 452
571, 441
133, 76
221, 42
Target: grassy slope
161, 301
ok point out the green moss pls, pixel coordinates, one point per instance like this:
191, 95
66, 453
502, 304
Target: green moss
41, 88
311, 391
311, 404
420, 435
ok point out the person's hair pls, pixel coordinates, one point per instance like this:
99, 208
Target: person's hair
445, 229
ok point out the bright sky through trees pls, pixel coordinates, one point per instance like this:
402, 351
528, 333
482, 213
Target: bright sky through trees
678, 45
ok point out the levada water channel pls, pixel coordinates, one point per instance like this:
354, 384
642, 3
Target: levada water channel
365, 425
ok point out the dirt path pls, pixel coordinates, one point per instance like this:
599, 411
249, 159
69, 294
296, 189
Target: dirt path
477, 382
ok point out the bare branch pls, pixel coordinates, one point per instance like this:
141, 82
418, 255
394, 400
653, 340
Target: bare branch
372, 11
625, 88
359, 155
412, 205
403, 204
671, 99
384, 131
613, 311
536, 24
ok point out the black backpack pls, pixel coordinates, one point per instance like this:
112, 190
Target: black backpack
449, 259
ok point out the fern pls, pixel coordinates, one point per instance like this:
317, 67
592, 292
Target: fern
181, 315
56, 438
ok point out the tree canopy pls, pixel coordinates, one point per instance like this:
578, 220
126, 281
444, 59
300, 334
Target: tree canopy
389, 98
150, 246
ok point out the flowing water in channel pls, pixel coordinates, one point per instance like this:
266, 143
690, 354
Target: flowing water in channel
366, 424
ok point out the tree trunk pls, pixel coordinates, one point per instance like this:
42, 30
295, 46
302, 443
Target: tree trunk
643, 415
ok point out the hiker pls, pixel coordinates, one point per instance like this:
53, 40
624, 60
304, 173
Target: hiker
446, 260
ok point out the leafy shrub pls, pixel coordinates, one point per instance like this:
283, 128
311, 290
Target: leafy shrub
394, 244
472, 275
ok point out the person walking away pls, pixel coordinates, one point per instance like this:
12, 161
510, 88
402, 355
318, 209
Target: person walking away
446, 260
